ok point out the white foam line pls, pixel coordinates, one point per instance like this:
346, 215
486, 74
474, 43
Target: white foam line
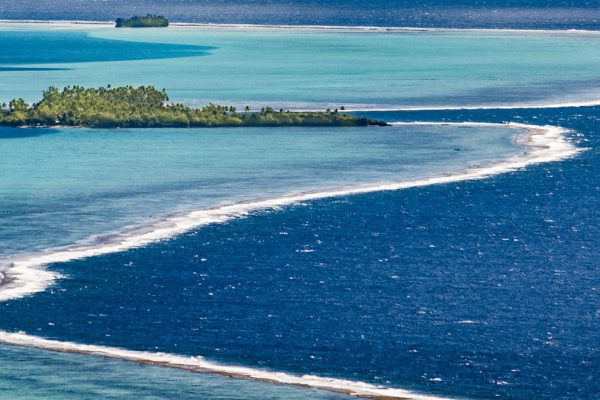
25, 275
84, 24
515, 106
349, 107
60, 24
199, 364
377, 108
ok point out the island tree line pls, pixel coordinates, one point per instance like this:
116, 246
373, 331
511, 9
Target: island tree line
149, 21
146, 106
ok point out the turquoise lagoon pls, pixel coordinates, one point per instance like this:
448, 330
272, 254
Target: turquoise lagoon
307, 69
33, 375
63, 186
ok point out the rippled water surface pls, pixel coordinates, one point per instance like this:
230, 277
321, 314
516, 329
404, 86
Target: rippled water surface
532, 14
479, 289
35, 374
63, 186
299, 69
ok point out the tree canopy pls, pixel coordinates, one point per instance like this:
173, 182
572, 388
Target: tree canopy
145, 106
149, 21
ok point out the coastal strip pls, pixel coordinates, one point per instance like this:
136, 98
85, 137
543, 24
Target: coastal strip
515, 106
200, 365
148, 107
346, 107
27, 274
85, 24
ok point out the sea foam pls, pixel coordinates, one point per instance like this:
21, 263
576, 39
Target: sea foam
26, 274
87, 24
199, 364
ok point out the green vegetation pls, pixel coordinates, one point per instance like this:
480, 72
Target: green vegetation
149, 21
145, 107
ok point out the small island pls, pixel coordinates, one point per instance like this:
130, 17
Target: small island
149, 21
148, 107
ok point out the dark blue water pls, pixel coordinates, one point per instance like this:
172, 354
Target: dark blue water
62, 47
492, 286
536, 14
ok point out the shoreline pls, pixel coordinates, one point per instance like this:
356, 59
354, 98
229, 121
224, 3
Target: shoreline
112, 108
200, 365
525, 106
27, 274
85, 24
517, 106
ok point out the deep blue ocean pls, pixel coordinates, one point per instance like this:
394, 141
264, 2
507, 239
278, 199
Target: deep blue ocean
481, 289
536, 14
486, 289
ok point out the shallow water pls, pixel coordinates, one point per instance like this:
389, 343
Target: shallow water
33, 375
314, 70
483, 289
62, 186
474, 289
